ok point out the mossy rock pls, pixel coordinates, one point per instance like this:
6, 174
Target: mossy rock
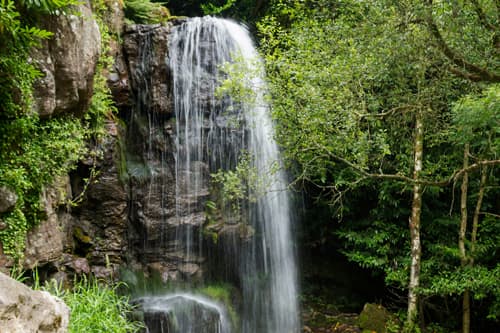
374, 318
81, 236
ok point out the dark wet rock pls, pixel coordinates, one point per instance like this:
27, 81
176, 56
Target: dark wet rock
145, 48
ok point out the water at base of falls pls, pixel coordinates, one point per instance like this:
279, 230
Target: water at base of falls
183, 313
210, 134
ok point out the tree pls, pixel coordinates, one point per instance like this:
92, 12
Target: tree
349, 81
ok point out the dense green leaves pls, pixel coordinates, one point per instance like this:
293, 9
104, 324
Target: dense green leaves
347, 79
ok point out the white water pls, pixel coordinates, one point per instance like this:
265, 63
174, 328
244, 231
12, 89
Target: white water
188, 313
207, 139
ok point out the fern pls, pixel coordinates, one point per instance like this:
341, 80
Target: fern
48, 6
145, 11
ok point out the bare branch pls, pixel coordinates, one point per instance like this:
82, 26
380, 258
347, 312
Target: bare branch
490, 214
382, 114
397, 177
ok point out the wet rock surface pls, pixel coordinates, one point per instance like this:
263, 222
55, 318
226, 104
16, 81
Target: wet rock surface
100, 225
161, 226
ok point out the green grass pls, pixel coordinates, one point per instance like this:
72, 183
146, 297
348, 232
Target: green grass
97, 307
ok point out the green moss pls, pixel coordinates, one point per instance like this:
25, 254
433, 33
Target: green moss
80, 235
374, 318
222, 293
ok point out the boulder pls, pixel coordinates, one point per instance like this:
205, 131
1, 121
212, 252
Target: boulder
375, 318
23, 310
8, 199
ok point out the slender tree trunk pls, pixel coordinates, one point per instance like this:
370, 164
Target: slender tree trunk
466, 306
461, 240
463, 209
416, 247
475, 219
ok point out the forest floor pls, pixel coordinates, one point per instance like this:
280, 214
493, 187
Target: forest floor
318, 317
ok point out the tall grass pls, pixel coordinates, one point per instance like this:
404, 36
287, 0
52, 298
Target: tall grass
97, 307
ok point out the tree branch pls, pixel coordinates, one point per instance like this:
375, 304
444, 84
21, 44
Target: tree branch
490, 214
443, 183
482, 16
474, 72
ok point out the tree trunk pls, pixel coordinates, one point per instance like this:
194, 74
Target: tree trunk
416, 208
466, 306
475, 219
461, 240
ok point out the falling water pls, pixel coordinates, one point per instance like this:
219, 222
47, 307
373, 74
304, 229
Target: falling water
184, 313
210, 135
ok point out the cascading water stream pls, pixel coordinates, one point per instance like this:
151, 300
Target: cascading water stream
213, 132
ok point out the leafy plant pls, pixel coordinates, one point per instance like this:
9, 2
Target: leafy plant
145, 11
49, 6
212, 9
238, 185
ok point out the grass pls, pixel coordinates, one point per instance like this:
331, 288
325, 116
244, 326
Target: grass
97, 307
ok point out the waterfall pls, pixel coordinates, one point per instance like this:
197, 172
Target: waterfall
170, 177
212, 132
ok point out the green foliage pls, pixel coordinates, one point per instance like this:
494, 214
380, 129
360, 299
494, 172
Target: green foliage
97, 307
34, 151
145, 11
48, 6
476, 121
211, 9
346, 79
238, 185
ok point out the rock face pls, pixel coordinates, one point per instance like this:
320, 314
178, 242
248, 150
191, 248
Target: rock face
45, 243
92, 235
23, 310
99, 231
158, 235
145, 48
68, 61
